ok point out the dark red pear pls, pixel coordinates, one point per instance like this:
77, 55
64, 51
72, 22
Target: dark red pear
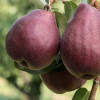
61, 81
33, 40
80, 44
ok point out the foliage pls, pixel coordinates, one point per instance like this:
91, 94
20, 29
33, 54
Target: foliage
81, 94
38, 4
70, 8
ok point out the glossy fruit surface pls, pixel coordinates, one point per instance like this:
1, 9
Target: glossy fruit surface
61, 81
80, 45
33, 40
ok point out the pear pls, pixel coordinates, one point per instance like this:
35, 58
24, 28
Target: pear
33, 40
80, 44
60, 81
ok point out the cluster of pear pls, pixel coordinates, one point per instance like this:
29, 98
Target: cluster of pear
34, 42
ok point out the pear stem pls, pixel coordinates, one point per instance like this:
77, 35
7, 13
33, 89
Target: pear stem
94, 88
96, 4
48, 5
92, 2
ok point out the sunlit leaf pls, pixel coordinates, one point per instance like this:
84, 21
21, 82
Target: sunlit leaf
70, 8
77, 1
61, 22
58, 6
81, 94
38, 4
88, 1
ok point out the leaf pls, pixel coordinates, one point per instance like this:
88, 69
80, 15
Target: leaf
38, 4
60, 68
58, 58
88, 1
86, 97
81, 94
70, 8
61, 22
58, 6
41, 71
77, 1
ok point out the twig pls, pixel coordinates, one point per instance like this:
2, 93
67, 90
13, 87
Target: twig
92, 2
94, 88
96, 4
48, 5
51, 1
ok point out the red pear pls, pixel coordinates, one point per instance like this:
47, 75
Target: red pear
80, 44
61, 81
33, 40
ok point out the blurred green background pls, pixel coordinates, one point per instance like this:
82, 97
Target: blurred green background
16, 84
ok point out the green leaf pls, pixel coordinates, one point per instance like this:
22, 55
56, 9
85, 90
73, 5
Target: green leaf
52, 66
77, 1
88, 1
86, 97
58, 58
38, 4
81, 94
42, 71
58, 6
61, 22
70, 8
60, 68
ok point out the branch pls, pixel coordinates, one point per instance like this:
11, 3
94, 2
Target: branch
94, 88
48, 5
92, 2
51, 1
